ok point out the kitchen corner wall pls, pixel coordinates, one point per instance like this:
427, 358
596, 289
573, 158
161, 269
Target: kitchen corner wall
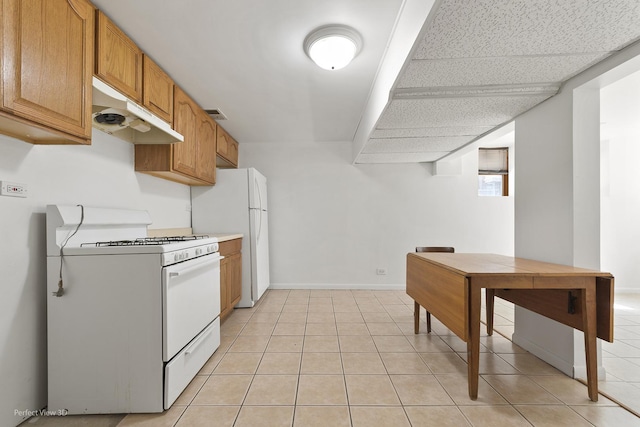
559, 196
334, 224
98, 175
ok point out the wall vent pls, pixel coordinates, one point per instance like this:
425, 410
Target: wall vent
216, 114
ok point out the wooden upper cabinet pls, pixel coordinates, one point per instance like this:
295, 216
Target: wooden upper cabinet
157, 90
227, 150
47, 67
207, 130
185, 122
190, 162
118, 59
120, 63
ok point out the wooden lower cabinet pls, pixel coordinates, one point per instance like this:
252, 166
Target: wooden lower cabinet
230, 276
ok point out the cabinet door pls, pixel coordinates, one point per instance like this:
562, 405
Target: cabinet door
233, 152
48, 62
223, 142
118, 59
227, 148
224, 285
157, 94
206, 148
234, 277
185, 122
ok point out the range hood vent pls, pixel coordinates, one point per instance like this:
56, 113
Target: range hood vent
117, 115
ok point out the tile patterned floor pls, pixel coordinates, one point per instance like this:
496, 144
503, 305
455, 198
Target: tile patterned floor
621, 359
350, 358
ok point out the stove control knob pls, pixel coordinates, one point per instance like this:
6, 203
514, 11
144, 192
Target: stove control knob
175, 257
198, 251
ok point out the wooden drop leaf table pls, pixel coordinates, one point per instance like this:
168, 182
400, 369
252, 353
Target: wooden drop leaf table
448, 285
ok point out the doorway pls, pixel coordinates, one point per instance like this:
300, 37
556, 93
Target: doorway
620, 232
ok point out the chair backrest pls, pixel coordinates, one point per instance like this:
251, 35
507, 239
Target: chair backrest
435, 249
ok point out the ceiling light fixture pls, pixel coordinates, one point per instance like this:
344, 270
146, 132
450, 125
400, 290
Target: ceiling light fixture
332, 47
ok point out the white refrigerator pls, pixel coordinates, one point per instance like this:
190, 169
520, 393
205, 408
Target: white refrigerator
238, 204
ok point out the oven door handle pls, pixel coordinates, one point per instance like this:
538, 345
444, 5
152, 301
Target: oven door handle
196, 267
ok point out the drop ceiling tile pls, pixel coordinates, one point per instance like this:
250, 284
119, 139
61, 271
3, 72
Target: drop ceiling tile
494, 71
481, 63
431, 131
489, 28
399, 157
412, 145
443, 112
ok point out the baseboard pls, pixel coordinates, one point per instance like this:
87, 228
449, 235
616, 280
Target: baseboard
575, 371
339, 286
580, 371
541, 353
627, 290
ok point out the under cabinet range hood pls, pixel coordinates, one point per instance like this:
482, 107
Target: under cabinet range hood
117, 115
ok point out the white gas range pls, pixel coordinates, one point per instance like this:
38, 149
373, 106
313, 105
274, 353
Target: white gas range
130, 319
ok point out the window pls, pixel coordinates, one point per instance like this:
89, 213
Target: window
493, 172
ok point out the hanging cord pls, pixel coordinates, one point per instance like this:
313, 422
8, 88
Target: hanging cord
60, 290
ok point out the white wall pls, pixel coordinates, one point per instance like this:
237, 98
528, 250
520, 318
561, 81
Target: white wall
333, 223
557, 207
97, 175
544, 216
620, 156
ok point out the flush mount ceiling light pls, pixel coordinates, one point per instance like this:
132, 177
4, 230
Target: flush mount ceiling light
333, 46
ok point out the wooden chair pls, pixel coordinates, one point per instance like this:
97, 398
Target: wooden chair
416, 307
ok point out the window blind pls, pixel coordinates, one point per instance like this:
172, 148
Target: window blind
493, 161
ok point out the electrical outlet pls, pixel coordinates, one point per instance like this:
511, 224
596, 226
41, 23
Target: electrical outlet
13, 189
381, 271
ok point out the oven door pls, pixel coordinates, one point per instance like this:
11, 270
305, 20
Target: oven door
191, 300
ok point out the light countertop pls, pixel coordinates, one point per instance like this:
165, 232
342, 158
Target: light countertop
164, 232
223, 237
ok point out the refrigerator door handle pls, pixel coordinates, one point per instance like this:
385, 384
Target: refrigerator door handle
257, 185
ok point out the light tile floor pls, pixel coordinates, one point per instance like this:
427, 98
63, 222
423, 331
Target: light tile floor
350, 358
621, 359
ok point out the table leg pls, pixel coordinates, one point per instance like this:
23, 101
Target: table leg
473, 344
588, 301
489, 306
416, 317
